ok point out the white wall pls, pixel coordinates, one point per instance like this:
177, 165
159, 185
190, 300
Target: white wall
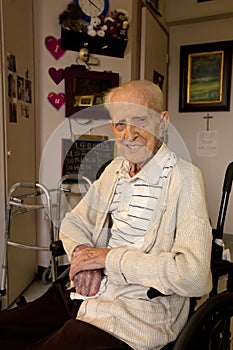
46, 24
52, 125
181, 10
189, 124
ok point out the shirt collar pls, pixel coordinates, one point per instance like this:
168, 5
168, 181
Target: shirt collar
152, 170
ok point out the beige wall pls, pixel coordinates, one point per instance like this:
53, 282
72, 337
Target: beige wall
190, 124
2, 150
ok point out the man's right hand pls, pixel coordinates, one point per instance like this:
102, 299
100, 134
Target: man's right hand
87, 282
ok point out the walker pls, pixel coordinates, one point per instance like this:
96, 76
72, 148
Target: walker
21, 200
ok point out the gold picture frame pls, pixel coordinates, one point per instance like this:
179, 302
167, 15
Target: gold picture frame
205, 77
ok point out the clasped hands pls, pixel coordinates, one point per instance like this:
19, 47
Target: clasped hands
86, 268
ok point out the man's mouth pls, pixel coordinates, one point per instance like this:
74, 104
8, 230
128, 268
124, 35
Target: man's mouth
133, 147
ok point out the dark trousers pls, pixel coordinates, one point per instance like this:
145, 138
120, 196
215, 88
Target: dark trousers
49, 323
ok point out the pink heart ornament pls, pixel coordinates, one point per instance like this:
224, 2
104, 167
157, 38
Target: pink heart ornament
56, 100
54, 47
56, 74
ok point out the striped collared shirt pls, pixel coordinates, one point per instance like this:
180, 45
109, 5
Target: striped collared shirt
135, 198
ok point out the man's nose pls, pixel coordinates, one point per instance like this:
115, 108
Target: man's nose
131, 132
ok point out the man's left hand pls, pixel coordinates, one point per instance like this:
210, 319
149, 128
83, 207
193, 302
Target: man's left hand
87, 258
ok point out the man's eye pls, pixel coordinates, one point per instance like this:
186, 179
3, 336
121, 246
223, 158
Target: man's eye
141, 121
120, 125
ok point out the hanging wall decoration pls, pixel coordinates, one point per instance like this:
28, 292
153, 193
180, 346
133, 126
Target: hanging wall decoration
28, 91
85, 88
57, 75
158, 79
54, 47
103, 34
56, 100
205, 77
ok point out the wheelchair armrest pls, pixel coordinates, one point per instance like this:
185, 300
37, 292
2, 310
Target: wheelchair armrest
221, 268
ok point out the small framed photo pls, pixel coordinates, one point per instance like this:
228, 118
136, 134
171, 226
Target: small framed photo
83, 101
20, 88
28, 91
205, 77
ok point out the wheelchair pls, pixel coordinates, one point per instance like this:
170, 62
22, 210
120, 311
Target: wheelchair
209, 327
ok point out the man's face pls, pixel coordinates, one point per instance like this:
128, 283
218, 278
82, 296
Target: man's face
136, 131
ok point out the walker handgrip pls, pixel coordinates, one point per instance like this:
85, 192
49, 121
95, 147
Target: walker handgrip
228, 178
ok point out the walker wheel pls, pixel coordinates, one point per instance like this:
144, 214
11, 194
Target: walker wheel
21, 300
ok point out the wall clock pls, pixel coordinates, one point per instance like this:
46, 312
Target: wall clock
92, 8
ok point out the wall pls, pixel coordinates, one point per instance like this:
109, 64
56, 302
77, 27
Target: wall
187, 10
52, 125
17, 133
189, 124
2, 149
47, 24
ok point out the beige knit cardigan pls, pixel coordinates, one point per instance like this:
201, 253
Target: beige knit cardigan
175, 258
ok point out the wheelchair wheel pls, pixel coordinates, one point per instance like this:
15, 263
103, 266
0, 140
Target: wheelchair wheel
47, 275
209, 328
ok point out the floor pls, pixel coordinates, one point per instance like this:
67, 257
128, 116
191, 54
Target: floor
36, 289
33, 292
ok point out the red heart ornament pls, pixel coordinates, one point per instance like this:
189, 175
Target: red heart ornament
54, 47
56, 74
57, 100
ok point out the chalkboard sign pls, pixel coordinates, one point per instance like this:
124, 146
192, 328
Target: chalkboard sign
85, 156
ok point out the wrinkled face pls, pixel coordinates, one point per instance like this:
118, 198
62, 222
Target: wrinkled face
136, 131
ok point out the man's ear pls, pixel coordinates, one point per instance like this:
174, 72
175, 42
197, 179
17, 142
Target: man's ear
165, 115
163, 124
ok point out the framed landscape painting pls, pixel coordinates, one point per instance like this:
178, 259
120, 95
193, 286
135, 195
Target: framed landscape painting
205, 77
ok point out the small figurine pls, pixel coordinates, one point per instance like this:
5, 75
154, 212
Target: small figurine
96, 28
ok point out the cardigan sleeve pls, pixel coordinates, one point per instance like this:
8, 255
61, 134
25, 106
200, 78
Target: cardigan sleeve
88, 222
77, 226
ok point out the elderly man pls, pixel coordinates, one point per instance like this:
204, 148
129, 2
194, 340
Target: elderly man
139, 242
